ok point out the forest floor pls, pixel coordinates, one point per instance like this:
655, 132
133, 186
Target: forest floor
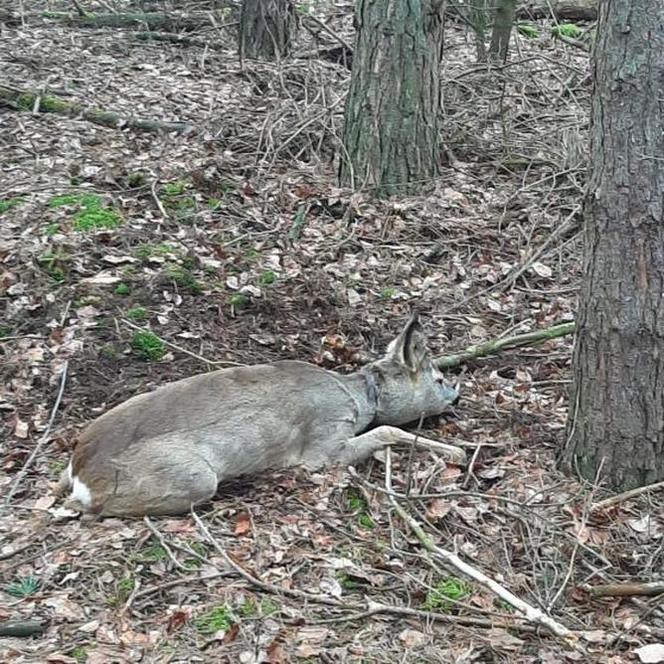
128, 259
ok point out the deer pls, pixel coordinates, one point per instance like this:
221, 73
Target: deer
164, 451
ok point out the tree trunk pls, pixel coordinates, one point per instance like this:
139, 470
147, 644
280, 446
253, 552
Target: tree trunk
266, 28
616, 423
502, 29
390, 135
478, 17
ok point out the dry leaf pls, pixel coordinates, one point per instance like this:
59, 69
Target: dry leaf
21, 428
653, 653
242, 524
411, 638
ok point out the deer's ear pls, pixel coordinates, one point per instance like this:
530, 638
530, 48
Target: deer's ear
409, 348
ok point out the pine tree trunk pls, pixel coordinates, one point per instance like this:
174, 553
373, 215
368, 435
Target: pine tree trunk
616, 423
390, 135
502, 29
266, 28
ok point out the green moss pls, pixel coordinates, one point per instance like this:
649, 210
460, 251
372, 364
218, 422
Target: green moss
184, 279
137, 313
82, 200
153, 553
174, 188
79, 653
100, 218
25, 101
387, 293
91, 214
268, 606
7, 204
53, 105
239, 301
451, 588
122, 289
136, 179
51, 229
149, 346
218, 618
267, 278
570, 30
528, 31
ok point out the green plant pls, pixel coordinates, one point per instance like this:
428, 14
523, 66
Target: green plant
184, 278
569, 30
89, 219
51, 229
267, 278
79, 653
248, 607
528, 31
4, 331
7, 204
218, 618
238, 301
148, 345
122, 289
24, 587
346, 582
53, 264
174, 188
387, 293
268, 606
91, 214
137, 313
359, 505
451, 588
213, 203
136, 179
153, 553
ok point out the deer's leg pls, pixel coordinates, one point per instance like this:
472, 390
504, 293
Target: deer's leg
360, 447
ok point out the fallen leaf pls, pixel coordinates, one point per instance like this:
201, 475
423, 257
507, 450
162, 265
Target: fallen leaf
21, 428
411, 638
653, 653
242, 524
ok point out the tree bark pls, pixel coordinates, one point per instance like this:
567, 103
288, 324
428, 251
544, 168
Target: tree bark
615, 428
502, 29
390, 134
266, 28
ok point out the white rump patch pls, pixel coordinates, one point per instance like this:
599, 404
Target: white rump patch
80, 492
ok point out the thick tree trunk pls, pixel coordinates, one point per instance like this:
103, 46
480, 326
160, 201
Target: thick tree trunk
616, 423
502, 29
390, 135
266, 28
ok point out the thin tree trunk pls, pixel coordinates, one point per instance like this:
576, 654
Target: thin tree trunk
502, 30
266, 28
390, 135
616, 423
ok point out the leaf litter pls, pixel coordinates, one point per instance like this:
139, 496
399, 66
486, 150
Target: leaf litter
205, 216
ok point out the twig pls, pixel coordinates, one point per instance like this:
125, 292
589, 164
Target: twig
162, 209
492, 347
40, 443
263, 585
79, 9
626, 495
649, 589
530, 613
330, 32
154, 530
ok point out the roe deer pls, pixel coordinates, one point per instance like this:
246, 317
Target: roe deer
166, 450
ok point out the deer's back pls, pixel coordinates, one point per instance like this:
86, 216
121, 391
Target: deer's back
254, 417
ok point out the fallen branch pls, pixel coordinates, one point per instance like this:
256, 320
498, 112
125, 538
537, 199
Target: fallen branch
495, 346
626, 495
166, 22
26, 100
44, 437
577, 10
625, 589
530, 613
22, 628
